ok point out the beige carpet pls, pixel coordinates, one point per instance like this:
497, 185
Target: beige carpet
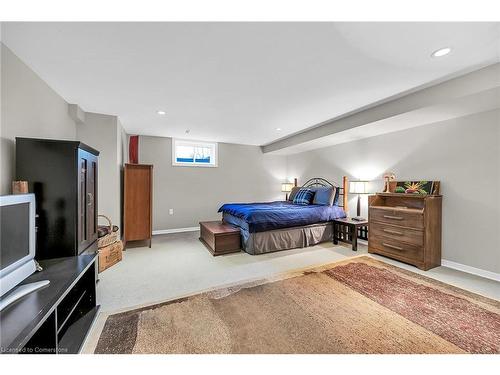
359, 305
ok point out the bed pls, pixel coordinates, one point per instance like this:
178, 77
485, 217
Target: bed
274, 226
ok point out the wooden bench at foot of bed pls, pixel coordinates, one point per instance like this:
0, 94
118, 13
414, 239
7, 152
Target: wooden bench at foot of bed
219, 237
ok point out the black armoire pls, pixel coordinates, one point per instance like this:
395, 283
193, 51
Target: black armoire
63, 177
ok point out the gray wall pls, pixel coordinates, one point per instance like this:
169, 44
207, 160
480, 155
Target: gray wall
244, 174
29, 108
123, 158
104, 133
464, 154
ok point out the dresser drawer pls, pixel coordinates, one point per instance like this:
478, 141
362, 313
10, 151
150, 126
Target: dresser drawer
407, 235
403, 218
393, 247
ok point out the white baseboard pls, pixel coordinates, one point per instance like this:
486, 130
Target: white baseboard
175, 230
472, 270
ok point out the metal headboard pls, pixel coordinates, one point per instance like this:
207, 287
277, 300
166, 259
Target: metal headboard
321, 182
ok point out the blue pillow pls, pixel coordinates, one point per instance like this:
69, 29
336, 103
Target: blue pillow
336, 197
325, 196
293, 193
303, 197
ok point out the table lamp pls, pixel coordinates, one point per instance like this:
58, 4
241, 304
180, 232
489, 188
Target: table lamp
358, 187
286, 187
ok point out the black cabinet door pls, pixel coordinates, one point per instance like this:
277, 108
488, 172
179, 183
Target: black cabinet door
87, 199
92, 198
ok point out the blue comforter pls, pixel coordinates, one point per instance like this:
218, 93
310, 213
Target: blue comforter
275, 215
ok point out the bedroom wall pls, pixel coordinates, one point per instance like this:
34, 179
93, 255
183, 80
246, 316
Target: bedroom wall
244, 174
30, 108
123, 158
104, 133
464, 154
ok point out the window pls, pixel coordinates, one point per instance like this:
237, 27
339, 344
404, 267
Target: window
194, 154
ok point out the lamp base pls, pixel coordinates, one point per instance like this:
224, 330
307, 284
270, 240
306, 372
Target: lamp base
358, 218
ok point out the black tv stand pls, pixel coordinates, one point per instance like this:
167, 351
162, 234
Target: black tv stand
58, 317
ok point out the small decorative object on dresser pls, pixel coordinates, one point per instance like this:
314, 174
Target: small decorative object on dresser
220, 238
417, 187
406, 227
388, 178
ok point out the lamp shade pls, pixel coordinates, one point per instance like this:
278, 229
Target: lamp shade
286, 187
358, 187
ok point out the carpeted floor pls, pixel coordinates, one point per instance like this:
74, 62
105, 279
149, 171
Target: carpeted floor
360, 305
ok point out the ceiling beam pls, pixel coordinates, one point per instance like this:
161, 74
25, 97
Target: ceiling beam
435, 99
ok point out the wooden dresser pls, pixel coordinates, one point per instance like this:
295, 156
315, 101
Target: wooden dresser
137, 202
406, 227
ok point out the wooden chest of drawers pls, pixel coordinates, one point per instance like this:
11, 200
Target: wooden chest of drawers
406, 227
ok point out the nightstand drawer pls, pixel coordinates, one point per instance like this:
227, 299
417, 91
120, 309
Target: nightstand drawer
392, 247
404, 218
407, 235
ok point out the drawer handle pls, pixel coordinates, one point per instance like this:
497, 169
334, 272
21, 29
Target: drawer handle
392, 246
393, 217
393, 232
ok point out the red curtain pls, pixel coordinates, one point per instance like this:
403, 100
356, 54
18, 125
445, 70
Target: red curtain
133, 149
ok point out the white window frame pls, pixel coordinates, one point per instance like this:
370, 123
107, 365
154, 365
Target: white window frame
183, 142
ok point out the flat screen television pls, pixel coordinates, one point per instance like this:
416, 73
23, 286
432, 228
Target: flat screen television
17, 246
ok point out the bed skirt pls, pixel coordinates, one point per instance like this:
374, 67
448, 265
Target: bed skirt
287, 238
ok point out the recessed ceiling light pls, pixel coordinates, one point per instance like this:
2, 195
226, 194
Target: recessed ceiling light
278, 129
161, 113
441, 52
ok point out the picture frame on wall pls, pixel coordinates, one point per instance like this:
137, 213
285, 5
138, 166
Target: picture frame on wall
417, 187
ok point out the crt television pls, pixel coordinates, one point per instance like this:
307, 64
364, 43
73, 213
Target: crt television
17, 246
17, 239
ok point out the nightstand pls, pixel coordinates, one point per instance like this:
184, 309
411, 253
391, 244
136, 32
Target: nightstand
348, 230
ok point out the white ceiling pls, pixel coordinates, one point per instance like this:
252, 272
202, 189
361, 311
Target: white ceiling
238, 82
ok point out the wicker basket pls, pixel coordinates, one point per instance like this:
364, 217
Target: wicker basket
109, 238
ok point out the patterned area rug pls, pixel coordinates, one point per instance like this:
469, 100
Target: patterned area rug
360, 305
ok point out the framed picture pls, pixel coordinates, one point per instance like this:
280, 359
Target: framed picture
417, 187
